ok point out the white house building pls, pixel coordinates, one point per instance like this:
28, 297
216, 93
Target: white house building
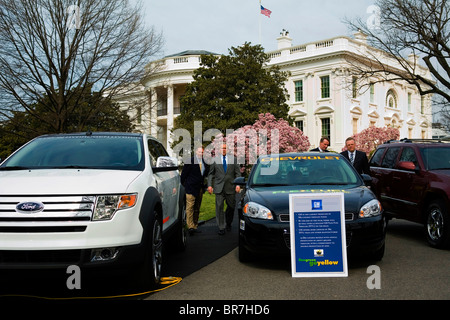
325, 99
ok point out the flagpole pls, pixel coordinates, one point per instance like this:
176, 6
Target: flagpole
260, 23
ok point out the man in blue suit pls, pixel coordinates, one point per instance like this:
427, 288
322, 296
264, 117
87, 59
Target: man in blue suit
193, 179
220, 182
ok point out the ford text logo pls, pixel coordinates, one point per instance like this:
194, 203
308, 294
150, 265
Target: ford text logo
29, 207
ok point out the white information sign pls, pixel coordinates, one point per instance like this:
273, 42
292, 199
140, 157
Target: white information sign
318, 244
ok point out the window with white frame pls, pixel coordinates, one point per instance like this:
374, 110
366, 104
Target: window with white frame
354, 87
298, 90
325, 87
391, 99
355, 125
326, 128
299, 124
409, 101
372, 93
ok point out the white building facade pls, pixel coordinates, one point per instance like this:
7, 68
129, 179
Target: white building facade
325, 99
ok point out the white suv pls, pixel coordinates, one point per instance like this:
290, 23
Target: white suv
90, 199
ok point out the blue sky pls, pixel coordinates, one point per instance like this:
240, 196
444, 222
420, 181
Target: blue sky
216, 26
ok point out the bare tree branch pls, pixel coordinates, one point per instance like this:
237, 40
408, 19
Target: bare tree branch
407, 31
44, 53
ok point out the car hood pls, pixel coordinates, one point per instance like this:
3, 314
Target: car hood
276, 199
65, 181
445, 172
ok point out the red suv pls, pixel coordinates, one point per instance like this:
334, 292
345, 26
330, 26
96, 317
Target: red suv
411, 178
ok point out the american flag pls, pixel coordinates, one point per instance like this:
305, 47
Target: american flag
265, 11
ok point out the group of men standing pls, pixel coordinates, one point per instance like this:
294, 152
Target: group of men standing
221, 174
357, 158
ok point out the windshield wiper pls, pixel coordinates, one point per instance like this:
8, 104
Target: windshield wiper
269, 185
327, 183
72, 167
13, 168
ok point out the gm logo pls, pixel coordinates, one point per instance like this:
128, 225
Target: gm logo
30, 207
316, 204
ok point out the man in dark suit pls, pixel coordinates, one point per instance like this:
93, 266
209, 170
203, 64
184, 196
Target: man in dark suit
193, 179
357, 158
220, 182
323, 145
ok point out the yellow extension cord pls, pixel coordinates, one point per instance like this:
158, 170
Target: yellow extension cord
169, 281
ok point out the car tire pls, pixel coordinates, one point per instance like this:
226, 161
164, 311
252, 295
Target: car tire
150, 271
437, 224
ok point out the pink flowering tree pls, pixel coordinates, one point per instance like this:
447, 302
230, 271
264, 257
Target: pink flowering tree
267, 135
369, 139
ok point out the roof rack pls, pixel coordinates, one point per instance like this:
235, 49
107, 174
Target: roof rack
406, 140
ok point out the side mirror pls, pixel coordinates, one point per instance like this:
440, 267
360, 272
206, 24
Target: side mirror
240, 181
406, 165
367, 179
166, 164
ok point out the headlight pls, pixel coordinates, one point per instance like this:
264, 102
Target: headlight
370, 209
254, 210
106, 206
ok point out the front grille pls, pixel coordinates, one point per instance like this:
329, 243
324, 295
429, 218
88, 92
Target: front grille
60, 214
26, 229
46, 219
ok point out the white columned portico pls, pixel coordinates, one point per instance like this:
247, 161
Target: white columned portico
153, 97
170, 107
307, 63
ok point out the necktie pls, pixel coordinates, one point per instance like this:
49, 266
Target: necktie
224, 163
351, 157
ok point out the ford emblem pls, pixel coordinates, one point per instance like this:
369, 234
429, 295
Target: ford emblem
30, 207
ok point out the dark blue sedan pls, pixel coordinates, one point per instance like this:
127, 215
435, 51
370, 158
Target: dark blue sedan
264, 209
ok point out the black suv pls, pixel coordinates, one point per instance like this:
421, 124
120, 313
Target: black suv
411, 178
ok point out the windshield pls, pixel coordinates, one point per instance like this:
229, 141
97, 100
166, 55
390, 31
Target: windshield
303, 170
67, 151
436, 158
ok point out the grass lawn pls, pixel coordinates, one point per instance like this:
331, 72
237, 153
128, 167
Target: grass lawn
208, 207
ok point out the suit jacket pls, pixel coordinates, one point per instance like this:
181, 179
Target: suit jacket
221, 180
192, 178
361, 163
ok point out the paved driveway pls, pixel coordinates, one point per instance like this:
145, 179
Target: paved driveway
410, 269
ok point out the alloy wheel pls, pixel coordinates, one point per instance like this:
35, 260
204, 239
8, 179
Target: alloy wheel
157, 246
435, 224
